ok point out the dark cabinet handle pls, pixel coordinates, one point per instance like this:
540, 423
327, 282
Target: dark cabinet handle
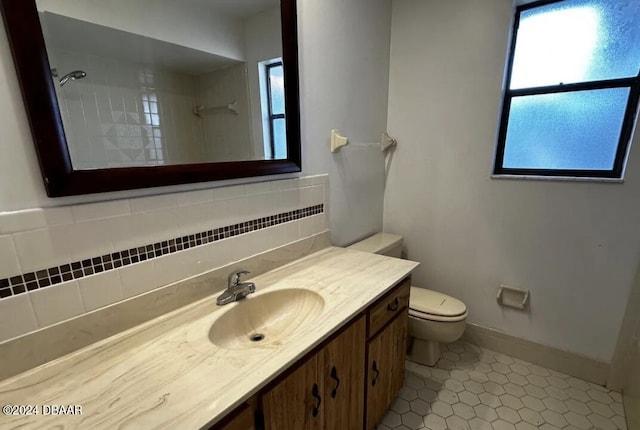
393, 306
315, 392
334, 375
377, 372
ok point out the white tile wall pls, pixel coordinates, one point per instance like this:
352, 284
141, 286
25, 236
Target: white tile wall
54, 236
16, 316
228, 136
125, 114
8, 256
100, 290
95, 211
140, 278
57, 303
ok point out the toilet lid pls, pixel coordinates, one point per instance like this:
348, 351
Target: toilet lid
435, 303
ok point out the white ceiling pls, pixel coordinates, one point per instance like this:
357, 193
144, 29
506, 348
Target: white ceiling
62, 32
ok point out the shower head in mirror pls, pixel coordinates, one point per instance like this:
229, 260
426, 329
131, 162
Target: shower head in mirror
76, 74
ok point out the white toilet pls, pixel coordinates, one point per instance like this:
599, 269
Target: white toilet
434, 317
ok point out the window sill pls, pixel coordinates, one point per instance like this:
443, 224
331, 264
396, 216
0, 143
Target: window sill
559, 178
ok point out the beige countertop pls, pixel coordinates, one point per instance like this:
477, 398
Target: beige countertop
166, 373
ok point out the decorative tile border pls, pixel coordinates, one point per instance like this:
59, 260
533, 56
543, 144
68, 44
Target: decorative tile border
23, 283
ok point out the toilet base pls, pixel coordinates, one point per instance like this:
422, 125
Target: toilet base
425, 352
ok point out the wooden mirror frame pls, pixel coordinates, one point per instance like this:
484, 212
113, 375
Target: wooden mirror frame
34, 73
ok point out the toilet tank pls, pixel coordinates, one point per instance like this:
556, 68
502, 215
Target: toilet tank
381, 243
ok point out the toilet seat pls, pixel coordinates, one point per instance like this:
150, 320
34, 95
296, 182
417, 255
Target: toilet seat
430, 317
434, 306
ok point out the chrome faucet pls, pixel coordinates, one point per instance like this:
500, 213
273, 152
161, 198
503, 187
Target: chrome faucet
236, 290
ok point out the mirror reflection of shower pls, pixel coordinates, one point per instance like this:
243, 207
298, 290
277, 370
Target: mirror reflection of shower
71, 76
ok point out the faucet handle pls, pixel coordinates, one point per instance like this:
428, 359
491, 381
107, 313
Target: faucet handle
234, 277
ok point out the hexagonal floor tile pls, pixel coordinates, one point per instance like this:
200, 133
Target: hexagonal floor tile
498, 378
556, 393
448, 396
520, 369
501, 368
514, 390
600, 396
454, 422
493, 388
392, 419
408, 393
523, 425
601, 422
535, 391
577, 394
468, 398
427, 394
485, 412
463, 411
504, 359
400, 405
489, 400
412, 420
491, 391
420, 407
533, 403
579, 421
518, 379
414, 382
474, 387
434, 422
479, 424
577, 407
600, 409
454, 385
511, 401
530, 416
555, 405
554, 418
478, 376
450, 355
508, 414
441, 408
502, 425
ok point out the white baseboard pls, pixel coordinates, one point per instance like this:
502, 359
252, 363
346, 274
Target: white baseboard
552, 358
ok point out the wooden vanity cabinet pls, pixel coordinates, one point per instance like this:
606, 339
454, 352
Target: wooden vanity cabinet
347, 383
386, 351
344, 378
326, 391
296, 402
243, 418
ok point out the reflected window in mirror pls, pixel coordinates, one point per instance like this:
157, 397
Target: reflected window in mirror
275, 127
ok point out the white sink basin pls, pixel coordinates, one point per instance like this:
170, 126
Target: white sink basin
266, 320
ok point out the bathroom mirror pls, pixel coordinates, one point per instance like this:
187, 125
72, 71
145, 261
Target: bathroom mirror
124, 95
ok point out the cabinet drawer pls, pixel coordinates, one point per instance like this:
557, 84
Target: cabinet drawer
389, 306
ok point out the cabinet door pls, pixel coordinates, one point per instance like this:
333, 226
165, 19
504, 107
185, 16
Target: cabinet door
242, 419
385, 368
297, 402
344, 378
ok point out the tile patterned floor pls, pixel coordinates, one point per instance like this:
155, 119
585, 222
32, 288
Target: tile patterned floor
473, 388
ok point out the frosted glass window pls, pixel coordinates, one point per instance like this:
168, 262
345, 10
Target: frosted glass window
280, 139
577, 41
572, 90
277, 117
276, 83
574, 130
